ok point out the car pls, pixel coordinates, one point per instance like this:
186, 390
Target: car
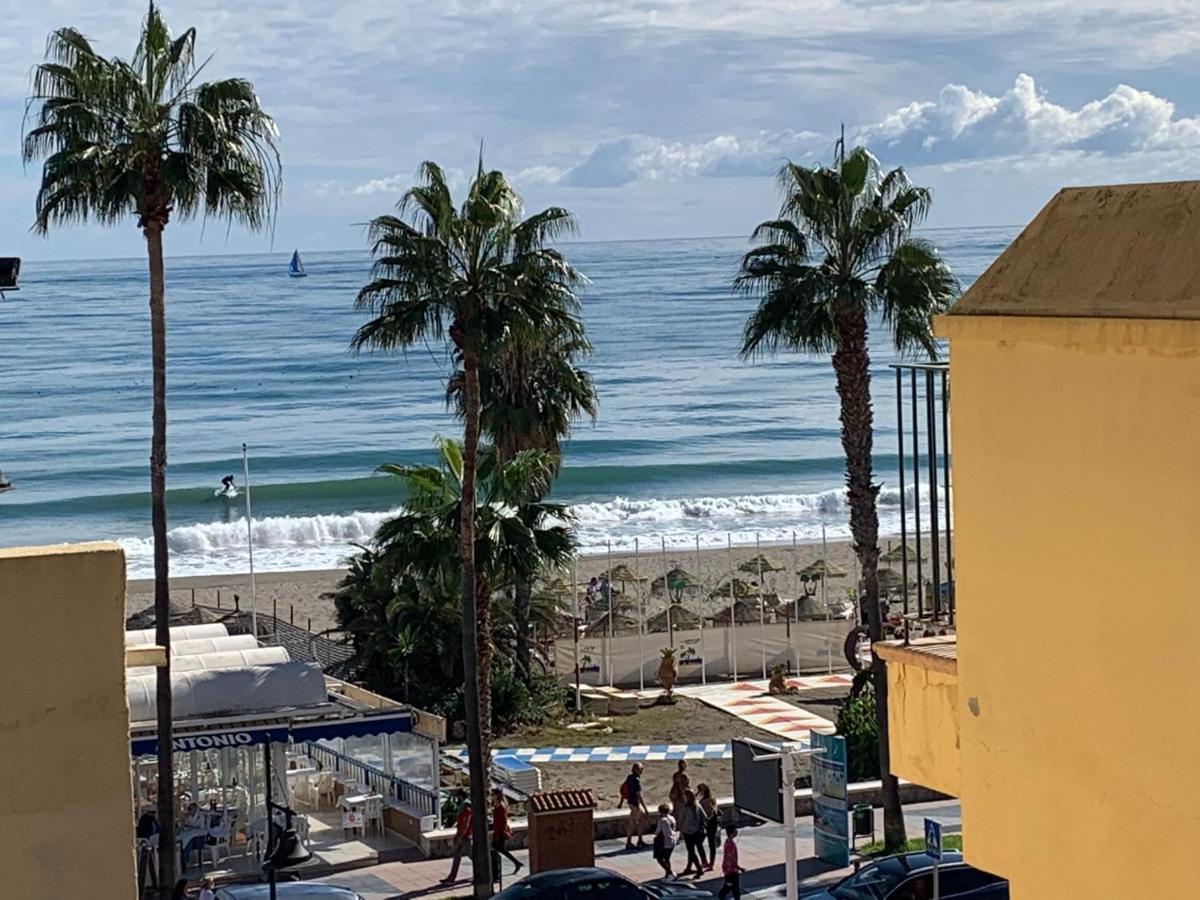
287, 890
909, 876
596, 884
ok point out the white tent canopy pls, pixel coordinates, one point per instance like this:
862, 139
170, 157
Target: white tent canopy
252, 689
227, 659
178, 633
220, 644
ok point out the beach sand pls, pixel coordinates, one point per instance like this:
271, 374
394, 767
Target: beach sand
297, 596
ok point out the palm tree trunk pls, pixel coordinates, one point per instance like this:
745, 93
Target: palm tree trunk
522, 601
162, 589
477, 761
852, 366
485, 649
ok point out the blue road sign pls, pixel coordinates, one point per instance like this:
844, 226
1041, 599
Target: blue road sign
933, 838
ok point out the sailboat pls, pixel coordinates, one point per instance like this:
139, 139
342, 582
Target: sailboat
296, 267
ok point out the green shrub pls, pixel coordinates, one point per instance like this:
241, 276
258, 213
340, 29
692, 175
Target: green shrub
514, 704
856, 723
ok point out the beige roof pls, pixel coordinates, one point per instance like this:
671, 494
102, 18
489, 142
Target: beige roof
1120, 251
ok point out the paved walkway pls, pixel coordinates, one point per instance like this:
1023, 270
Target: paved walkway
750, 702
760, 849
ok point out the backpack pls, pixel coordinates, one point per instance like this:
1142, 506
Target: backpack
624, 791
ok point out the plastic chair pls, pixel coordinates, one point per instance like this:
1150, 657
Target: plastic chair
326, 790
373, 813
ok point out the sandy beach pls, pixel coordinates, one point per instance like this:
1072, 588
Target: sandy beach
297, 596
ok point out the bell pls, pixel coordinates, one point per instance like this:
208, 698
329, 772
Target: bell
289, 851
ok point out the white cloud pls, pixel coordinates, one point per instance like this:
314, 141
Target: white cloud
639, 157
963, 124
393, 184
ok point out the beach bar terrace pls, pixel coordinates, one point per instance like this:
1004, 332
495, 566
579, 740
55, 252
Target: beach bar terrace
255, 730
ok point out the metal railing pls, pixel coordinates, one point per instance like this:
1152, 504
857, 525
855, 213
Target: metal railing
381, 782
925, 389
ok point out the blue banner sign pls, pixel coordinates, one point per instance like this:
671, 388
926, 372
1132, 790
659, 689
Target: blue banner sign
831, 805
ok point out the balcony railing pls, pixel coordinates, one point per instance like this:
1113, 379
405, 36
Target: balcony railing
926, 532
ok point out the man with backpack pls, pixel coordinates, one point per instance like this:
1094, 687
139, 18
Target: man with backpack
631, 793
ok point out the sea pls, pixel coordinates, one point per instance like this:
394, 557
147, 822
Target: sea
691, 442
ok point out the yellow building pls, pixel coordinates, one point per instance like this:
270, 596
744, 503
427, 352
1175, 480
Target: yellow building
1066, 717
66, 813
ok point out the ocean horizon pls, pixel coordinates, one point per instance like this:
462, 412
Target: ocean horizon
689, 442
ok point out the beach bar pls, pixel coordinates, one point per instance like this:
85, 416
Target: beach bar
263, 741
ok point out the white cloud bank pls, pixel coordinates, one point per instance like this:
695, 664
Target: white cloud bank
963, 124
961, 127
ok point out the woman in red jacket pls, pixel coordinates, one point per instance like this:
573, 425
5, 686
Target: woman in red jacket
501, 830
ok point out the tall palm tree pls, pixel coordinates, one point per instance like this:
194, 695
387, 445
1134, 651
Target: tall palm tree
530, 395
841, 250
477, 274
145, 138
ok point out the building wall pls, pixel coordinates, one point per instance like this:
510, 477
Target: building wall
66, 817
1076, 444
923, 726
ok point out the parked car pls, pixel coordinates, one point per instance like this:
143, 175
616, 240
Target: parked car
909, 876
287, 890
596, 884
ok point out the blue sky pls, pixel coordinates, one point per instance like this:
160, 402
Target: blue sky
657, 118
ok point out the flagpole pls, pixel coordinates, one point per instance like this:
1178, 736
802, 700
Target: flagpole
575, 625
703, 662
637, 567
762, 606
667, 592
732, 609
796, 602
250, 543
825, 600
608, 590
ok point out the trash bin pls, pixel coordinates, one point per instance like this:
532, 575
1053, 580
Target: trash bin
560, 830
863, 816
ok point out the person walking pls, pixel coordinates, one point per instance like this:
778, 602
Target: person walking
501, 832
207, 891
631, 793
710, 813
462, 836
732, 887
664, 839
691, 826
680, 782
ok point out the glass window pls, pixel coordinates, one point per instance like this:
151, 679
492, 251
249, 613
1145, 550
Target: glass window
604, 889
872, 882
919, 887
963, 879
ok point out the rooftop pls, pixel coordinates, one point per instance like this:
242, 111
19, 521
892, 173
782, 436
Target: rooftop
939, 654
1119, 251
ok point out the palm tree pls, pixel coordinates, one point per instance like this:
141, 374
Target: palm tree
478, 275
144, 138
529, 397
842, 249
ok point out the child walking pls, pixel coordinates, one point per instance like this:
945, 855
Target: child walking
664, 839
730, 868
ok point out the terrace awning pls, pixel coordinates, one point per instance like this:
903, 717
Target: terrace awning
333, 721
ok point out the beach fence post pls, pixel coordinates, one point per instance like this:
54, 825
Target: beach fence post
762, 605
825, 602
703, 658
732, 610
796, 602
667, 594
575, 626
250, 543
637, 567
608, 582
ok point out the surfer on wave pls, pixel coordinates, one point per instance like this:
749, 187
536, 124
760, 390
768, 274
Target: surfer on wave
227, 488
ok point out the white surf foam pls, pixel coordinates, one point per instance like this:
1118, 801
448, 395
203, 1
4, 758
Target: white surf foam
324, 541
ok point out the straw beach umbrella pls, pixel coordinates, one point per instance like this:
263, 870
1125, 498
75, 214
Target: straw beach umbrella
898, 553
822, 568
677, 580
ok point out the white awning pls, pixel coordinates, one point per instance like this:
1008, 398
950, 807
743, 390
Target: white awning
178, 633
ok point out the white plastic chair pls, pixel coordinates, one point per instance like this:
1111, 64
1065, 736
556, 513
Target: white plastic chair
373, 812
326, 790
